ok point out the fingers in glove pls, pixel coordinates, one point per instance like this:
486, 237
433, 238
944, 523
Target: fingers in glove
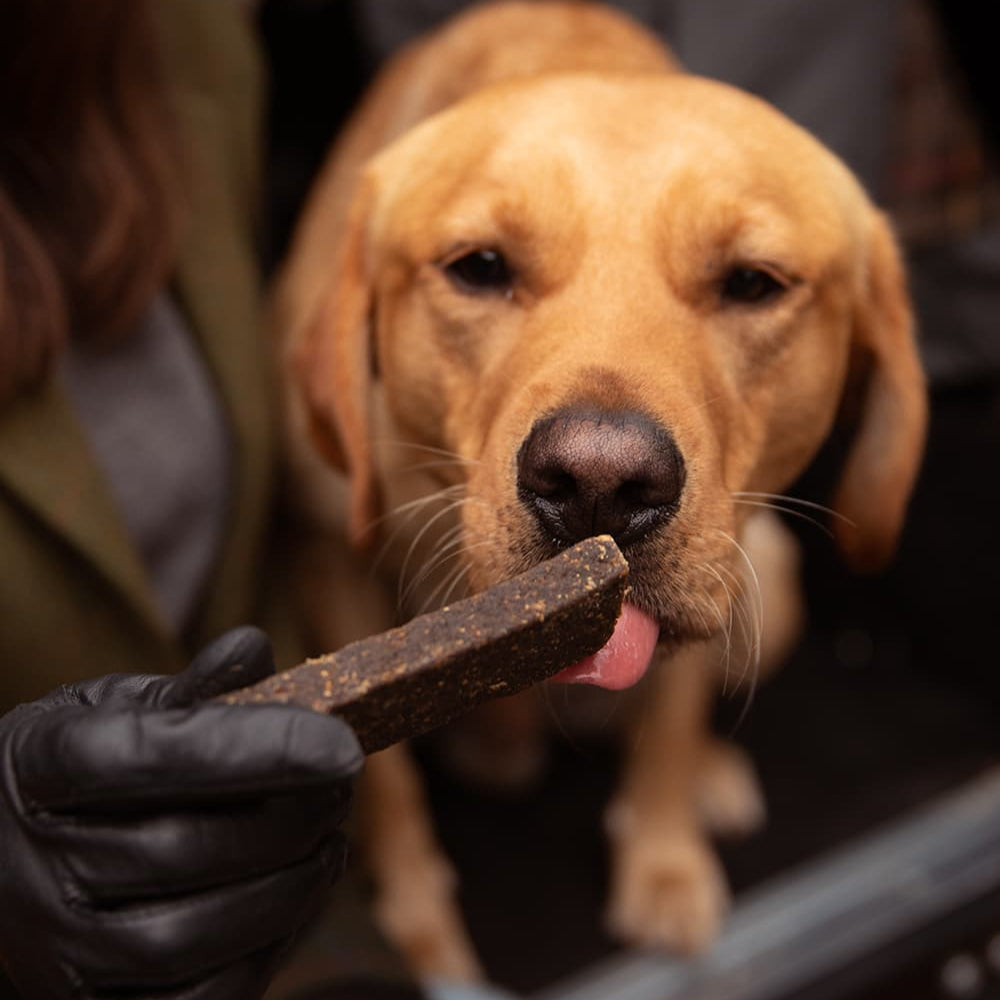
109, 864
128, 759
240, 657
171, 942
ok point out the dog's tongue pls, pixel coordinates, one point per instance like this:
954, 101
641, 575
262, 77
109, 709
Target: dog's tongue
623, 660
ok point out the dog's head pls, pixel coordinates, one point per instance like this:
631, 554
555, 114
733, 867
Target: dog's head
625, 302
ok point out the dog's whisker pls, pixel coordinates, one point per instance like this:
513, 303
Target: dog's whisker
452, 547
774, 499
725, 624
751, 692
438, 463
790, 511
550, 709
749, 675
741, 600
429, 449
562, 719
418, 538
445, 588
750, 590
431, 602
750, 667
452, 538
793, 501
460, 577
450, 542
753, 578
558, 717
443, 593
410, 510
751, 636
405, 514
741, 615
726, 655
412, 506
704, 404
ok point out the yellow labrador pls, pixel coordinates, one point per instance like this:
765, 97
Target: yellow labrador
547, 286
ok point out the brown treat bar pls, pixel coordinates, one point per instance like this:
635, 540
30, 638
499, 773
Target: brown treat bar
412, 679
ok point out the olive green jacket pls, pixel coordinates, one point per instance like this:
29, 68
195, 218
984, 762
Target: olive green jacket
75, 600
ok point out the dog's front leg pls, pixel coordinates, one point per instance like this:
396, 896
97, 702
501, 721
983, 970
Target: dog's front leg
667, 886
415, 903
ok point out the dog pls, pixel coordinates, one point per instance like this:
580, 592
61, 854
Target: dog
549, 285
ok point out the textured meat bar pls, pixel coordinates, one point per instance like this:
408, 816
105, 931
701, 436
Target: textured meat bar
412, 679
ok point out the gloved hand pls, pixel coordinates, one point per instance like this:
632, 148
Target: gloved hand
156, 844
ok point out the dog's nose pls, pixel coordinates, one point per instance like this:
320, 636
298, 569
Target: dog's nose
594, 472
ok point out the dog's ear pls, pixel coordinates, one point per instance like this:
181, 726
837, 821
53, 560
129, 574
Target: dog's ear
884, 458
334, 370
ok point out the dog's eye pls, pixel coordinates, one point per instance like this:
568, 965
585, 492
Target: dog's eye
481, 271
750, 285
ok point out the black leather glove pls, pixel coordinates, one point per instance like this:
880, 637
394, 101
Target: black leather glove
156, 844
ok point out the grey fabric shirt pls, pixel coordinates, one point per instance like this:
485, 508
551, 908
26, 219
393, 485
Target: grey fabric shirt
160, 435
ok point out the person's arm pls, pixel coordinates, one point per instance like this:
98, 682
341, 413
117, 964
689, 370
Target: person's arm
155, 843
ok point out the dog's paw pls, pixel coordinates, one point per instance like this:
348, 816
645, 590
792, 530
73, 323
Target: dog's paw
423, 920
728, 795
667, 892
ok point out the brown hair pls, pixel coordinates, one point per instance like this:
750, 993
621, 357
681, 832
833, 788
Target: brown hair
89, 177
